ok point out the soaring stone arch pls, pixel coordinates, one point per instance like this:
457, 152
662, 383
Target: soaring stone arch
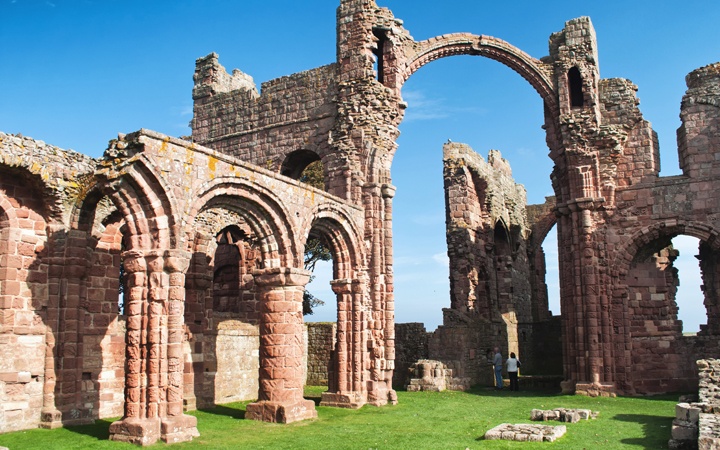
533, 70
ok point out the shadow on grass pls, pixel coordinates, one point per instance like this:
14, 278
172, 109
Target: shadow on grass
650, 425
234, 412
99, 430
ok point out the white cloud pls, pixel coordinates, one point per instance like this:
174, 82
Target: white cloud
442, 259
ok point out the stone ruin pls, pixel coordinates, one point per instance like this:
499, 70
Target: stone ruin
526, 432
428, 375
562, 415
697, 421
208, 233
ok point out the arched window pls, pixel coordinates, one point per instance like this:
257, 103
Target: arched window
305, 166
575, 87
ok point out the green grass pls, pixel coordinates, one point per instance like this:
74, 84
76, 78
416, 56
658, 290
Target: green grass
424, 420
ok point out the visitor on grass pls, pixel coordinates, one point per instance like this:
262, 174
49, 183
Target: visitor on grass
513, 364
498, 363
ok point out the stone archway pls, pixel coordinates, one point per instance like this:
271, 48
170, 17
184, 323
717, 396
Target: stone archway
656, 356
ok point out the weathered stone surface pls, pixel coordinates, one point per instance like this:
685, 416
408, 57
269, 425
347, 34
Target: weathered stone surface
526, 432
562, 415
322, 338
429, 375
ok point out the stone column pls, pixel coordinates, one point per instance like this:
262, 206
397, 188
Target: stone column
280, 396
386, 365
342, 389
50, 415
175, 426
153, 367
589, 365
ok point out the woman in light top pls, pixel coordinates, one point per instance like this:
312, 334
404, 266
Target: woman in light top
513, 364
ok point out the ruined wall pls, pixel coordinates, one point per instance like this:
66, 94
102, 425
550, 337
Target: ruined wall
191, 331
699, 134
23, 292
490, 282
654, 326
290, 113
321, 343
411, 345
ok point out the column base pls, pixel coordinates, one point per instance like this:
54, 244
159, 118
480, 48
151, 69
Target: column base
189, 403
179, 429
147, 431
50, 419
595, 389
352, 400
567, 387
136, 431
267, 411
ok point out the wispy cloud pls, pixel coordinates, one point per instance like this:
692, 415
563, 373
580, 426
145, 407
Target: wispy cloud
422, 107
441, 258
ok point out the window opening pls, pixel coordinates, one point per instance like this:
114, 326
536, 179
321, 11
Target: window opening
575, 86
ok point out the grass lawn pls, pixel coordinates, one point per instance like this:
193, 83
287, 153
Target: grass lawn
422, 420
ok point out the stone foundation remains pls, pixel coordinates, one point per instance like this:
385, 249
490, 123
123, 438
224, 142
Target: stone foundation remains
697, 423
428, 375
526, 432
562, 415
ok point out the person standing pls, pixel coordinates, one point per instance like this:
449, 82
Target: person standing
498, 364
513, 364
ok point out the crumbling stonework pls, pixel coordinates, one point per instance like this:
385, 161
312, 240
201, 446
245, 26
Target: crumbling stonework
697, 423
428, 375
208, 236
526, 432
562, 415
411, 346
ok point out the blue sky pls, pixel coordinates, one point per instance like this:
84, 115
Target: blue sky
74, 73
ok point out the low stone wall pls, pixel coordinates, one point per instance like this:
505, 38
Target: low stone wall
321, 342
237, 361
429, 375
411, 345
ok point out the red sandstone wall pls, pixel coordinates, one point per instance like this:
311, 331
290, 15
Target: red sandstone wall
23, 294
292, 113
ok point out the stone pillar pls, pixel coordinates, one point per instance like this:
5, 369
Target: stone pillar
386, 365
175, 426
280, 396
50, 415
153, 367
589, 365
345, 387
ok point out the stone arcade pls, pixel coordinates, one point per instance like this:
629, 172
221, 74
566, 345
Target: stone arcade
210, 233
